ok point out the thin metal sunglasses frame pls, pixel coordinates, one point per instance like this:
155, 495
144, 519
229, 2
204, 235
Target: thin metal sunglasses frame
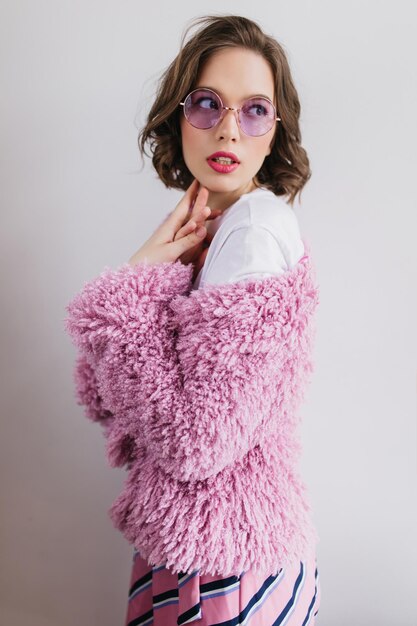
277, 119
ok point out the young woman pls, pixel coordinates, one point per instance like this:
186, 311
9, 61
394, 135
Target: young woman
193, 354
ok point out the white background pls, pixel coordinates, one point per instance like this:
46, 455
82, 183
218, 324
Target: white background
76, 80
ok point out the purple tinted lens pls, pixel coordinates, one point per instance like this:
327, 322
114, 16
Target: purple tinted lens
202, 108
257, 116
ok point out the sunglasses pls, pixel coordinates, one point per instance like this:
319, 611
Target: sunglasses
203, 108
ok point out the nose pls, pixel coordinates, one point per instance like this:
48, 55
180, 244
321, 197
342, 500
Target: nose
228, 127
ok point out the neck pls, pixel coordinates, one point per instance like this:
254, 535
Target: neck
221, 200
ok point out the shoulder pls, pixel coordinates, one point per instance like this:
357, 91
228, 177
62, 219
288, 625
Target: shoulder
262, 217
248, 251
258, 237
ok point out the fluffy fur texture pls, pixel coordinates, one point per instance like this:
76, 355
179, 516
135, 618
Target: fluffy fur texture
199, 393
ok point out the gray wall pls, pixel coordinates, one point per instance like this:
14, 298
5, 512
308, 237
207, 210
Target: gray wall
76, 80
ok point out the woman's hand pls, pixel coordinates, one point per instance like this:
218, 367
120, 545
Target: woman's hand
198, 252
182, 232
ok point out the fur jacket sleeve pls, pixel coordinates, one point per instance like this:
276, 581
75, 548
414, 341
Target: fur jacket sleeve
191, 379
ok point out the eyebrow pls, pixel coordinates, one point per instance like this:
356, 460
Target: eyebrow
257, 95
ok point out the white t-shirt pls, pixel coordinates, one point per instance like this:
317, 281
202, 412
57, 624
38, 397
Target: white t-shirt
256, 236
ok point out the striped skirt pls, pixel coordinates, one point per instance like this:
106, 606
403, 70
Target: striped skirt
158, 597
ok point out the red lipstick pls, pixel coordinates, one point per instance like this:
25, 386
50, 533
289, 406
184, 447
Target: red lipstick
223, 162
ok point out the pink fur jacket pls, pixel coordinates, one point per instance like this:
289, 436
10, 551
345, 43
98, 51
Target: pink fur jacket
198, 392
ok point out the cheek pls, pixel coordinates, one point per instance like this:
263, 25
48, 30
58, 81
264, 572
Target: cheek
265, 145
261, 149
189, 138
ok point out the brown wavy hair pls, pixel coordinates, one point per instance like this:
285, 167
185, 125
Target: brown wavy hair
286, 169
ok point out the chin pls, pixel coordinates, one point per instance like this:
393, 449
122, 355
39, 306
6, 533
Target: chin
221, 183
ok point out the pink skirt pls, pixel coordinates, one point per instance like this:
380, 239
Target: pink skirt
158, 597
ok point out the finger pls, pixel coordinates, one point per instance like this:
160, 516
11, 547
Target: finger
181, 211
200, 203
185, 243
188, 228
192, 223
192, 192
185, 205
205, 214
176, 218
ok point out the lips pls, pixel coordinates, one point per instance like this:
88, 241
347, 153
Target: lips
222, 168
225, 155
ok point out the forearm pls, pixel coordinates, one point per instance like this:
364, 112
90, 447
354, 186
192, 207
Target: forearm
112, 322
